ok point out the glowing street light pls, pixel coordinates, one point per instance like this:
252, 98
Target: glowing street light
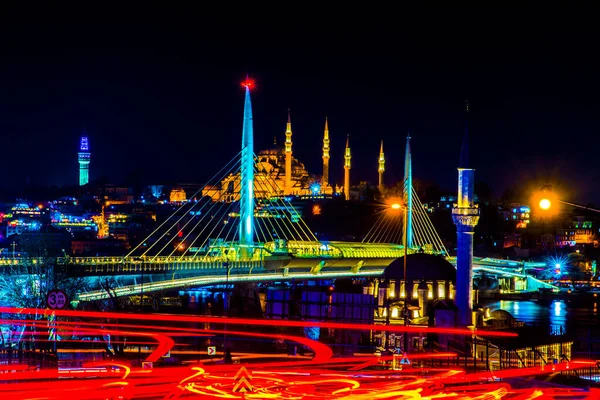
396, 206
545, 204
546, 201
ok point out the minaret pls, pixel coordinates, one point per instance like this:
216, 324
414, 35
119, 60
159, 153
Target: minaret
466, 216
408, 196
347, 166
246, 232
381, 169
288, 156
84, 161
325, 181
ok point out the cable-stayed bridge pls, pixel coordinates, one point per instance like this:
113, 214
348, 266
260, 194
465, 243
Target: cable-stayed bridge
241, 227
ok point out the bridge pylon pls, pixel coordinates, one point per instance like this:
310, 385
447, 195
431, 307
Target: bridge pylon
246, 227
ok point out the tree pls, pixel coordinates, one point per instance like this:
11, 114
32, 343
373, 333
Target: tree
26, 282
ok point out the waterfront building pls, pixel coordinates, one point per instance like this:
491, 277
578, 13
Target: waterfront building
429, 278
424, 296
577, 232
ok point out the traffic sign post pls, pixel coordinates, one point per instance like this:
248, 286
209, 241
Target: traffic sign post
56, 299
405, 360
242, 381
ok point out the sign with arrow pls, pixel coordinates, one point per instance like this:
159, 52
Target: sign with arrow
242, 381
212, 350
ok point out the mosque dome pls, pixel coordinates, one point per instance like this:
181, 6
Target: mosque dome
421, 266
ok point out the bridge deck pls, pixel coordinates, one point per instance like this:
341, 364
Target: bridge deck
267, 262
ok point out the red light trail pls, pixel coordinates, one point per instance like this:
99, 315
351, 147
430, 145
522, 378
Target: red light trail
261, 322
322, 377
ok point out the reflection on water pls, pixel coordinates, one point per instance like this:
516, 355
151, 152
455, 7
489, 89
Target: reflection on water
556, 314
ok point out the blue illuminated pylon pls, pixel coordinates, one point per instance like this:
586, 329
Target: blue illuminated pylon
408, 199
246, 233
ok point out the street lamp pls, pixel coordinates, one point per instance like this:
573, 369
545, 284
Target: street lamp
546, 199
403, 206
545, 204
405, 277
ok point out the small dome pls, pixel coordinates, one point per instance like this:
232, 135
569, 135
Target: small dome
421, 266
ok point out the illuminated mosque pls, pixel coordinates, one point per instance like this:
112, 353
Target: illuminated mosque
278, 173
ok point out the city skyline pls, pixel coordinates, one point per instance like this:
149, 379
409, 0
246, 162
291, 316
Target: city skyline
183, 207
156, 111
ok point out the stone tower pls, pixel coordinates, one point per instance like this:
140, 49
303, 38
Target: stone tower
325, 180
347, 166
381, 168
466, 216
288, 156
84, 161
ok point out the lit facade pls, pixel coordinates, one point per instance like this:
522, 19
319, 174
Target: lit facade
84, 161
177, 195
271, 178
577, 232
24, 218
518, 214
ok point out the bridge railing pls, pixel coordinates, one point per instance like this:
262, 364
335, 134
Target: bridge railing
21, 261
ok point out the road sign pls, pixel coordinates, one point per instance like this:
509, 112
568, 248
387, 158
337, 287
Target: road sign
56, 299
147, 365
405, 360
212, 350
242, 381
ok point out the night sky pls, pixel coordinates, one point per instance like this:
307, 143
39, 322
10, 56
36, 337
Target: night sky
162, 103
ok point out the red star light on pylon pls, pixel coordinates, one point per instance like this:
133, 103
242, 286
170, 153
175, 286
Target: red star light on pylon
249, 83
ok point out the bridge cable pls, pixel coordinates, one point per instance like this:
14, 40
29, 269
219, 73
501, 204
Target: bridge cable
174, 225
278, 223
235, 158
301, 232
306, 234
207, 238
